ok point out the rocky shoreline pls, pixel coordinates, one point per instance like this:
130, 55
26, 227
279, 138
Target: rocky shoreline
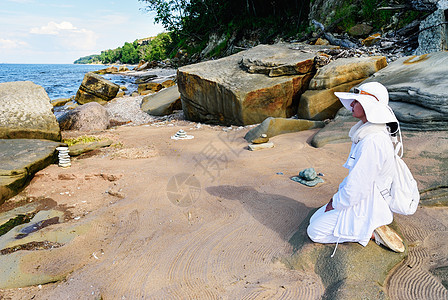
136, 199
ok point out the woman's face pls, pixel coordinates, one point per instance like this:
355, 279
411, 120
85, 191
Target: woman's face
358, 111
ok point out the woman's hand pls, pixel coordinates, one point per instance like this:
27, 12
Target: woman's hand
329, 205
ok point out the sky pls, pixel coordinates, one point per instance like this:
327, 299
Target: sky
61, 31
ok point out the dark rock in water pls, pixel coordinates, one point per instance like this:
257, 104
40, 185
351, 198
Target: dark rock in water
26, 112
19, 160
95, 88
87, 117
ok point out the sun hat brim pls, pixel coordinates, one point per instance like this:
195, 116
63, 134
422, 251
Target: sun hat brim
376, 112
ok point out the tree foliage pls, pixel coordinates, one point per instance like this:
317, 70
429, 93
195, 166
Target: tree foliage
131, 53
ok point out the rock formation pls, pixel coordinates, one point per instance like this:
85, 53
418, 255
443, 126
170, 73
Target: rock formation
417, 89
26, 112
87, 117
319, 102
163, 103
237, 89
95, 88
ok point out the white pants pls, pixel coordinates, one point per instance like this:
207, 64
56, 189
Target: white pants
321, 228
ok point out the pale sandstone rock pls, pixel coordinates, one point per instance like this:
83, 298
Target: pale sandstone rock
275, 126
163, 103
346, 70
221, 92
26, 112
322, 104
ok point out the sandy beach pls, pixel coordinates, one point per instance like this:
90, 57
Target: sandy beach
155, 218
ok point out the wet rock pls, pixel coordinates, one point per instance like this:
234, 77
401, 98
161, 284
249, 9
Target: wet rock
26, 112
87, 117
308, 177
20, 159
163, 103
95, 88
275, 126
108, 70
60, 102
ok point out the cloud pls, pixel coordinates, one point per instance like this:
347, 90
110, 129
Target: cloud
66, 35
11, 44
53, 28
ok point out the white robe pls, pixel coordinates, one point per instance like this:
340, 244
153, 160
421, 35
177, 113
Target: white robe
359, 206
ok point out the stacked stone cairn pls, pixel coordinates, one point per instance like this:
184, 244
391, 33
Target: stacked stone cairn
64, 157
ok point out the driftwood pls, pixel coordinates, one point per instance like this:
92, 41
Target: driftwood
335, 41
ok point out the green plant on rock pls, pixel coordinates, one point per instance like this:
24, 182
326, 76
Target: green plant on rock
81, 140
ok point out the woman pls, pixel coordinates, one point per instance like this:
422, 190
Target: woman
358, 211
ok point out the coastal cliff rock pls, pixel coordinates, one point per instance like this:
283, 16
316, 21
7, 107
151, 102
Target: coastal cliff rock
231, 90
163, 103
319, 102
26, 112
417, 90
19, 160
95, 88
87, 117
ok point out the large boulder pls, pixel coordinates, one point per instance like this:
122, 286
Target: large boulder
19, 160
223, 92
87, 117
319, 102
26, 112
417, 89
163, 103
95, 88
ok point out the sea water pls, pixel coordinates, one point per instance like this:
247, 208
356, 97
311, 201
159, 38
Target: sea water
58, 80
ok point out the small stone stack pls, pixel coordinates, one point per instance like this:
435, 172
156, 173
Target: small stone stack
64, 157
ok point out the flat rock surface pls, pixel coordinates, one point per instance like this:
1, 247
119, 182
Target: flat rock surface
206, 218
19, 160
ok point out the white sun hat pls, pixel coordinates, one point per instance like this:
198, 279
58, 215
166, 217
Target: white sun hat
374, 98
